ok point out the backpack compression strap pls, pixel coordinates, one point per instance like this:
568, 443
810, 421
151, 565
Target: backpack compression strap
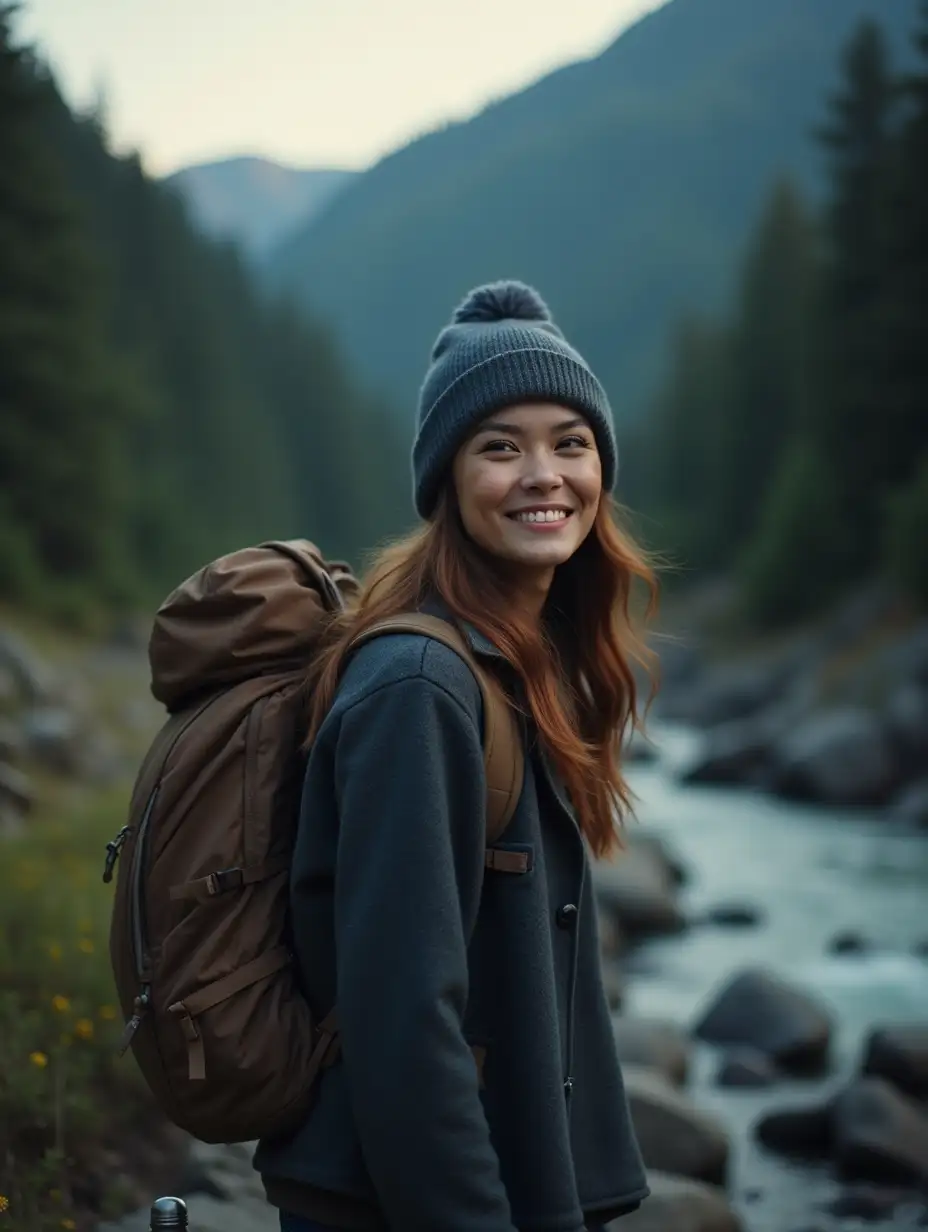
503, 757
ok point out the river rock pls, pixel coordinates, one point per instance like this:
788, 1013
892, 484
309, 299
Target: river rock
655, 1044
848, 942
911, 805
733, 753
841, 756
33, 678
54, 738
899, 1053
734, 915
674, 1135
763, 1011
680, 1205
880, 1135
746, 1067
799, 1133
873, 1202
639, 890
662, 851
725, 692
906, 715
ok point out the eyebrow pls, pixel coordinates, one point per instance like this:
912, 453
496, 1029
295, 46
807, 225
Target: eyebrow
497, 425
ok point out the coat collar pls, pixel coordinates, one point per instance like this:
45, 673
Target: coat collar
479, 643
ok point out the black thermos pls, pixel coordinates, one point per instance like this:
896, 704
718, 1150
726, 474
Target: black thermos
168, 1215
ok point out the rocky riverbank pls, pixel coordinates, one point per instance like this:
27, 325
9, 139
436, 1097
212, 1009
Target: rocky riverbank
836, 715
767, 963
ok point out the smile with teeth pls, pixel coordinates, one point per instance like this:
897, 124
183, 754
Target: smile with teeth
541, 515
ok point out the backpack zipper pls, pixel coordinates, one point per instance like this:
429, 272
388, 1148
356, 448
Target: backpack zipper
138, 926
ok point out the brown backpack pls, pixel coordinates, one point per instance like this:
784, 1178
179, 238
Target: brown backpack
199, 941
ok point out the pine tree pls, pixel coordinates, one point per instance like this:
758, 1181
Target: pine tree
63, 403
906, 386
850, 432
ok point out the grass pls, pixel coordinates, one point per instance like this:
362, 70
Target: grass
80, 1139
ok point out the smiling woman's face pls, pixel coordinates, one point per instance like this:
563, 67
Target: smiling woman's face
528, 484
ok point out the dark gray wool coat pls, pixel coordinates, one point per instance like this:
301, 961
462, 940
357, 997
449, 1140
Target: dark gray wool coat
431, 955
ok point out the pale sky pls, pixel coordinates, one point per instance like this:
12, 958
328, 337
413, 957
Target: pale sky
308, 82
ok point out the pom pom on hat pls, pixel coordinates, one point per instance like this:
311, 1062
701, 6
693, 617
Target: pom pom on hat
502, 301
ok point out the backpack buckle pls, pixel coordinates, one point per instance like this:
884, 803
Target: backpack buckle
225, 879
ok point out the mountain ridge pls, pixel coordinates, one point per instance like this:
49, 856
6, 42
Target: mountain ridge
254, 200
623, 185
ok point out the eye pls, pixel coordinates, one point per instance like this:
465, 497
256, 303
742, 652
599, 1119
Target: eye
574, 442
496, 446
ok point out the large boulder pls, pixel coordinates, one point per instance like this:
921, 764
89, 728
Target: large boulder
677, 1204
639, 888
733, 753
655, 1044
725, 692
805, 1133
842, 756
869, 1130
899, 1054
760, 1010
674, 1135
880, 1135
746, 1067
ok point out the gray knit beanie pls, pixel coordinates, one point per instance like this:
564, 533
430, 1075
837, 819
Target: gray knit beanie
501, 347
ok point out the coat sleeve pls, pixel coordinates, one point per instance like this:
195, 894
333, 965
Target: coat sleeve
410, 785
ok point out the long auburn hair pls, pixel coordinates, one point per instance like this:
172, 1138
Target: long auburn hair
576, 667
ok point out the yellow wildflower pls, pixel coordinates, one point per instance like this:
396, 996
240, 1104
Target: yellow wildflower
4, 1203
60, 1004
107, 1012
85, 945
54, 952
68, 1223
84, 1028
38, 1059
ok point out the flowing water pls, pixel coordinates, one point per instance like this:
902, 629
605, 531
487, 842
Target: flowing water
812, 873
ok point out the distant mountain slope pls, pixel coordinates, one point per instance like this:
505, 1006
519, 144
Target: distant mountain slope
254, 200
624, 186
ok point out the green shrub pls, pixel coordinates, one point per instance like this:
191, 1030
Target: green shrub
66, 1101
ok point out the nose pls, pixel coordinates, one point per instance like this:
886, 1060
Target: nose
540, 473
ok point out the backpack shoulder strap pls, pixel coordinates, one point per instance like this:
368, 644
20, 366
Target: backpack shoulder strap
503, 756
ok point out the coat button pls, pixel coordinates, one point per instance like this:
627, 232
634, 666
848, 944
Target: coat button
566, 915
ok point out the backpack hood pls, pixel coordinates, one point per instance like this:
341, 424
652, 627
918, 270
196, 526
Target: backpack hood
258, 610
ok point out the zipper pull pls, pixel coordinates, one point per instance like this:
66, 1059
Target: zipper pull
140, 1005
113, 848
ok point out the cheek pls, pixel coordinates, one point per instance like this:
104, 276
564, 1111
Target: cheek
481, 491
588, 483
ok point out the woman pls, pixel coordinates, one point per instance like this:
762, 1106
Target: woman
432, 956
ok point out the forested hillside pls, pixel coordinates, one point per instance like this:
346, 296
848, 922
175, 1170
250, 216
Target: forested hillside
625, 187
790, 442
155, 410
